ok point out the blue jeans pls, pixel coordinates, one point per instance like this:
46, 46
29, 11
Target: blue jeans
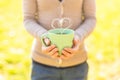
43, 72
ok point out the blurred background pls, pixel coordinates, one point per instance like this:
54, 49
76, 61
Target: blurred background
103, 44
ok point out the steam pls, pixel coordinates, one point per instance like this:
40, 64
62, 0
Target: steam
60, 22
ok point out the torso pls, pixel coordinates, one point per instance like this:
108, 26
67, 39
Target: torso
50, 9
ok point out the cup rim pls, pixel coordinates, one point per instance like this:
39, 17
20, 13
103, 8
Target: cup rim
71, 31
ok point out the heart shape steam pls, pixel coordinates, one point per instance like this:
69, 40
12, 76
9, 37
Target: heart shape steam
63, 23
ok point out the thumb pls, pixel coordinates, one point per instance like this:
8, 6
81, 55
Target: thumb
76, 42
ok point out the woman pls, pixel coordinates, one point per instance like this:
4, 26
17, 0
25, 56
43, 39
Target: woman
38, 16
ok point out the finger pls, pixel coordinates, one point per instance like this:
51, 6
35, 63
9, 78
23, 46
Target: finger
70, 50
65, 53
50, 48
53, 51
55, 55
75, 42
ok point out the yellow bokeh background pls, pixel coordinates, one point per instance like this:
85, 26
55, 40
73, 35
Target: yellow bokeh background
103, 44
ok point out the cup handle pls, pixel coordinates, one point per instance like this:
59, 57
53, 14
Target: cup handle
45, 35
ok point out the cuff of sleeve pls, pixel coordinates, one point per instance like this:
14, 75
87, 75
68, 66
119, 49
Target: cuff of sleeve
40, 33
79, 35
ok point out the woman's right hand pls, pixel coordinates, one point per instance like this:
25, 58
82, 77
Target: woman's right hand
50, 50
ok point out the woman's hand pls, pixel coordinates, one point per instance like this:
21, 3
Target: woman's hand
69, 52
50, 50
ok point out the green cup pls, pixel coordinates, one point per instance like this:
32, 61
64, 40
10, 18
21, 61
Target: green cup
60, 37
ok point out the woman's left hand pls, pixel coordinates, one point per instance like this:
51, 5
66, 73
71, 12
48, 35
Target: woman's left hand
69, 52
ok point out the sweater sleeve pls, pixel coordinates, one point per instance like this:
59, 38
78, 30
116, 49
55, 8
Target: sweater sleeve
89, 14
30, 21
